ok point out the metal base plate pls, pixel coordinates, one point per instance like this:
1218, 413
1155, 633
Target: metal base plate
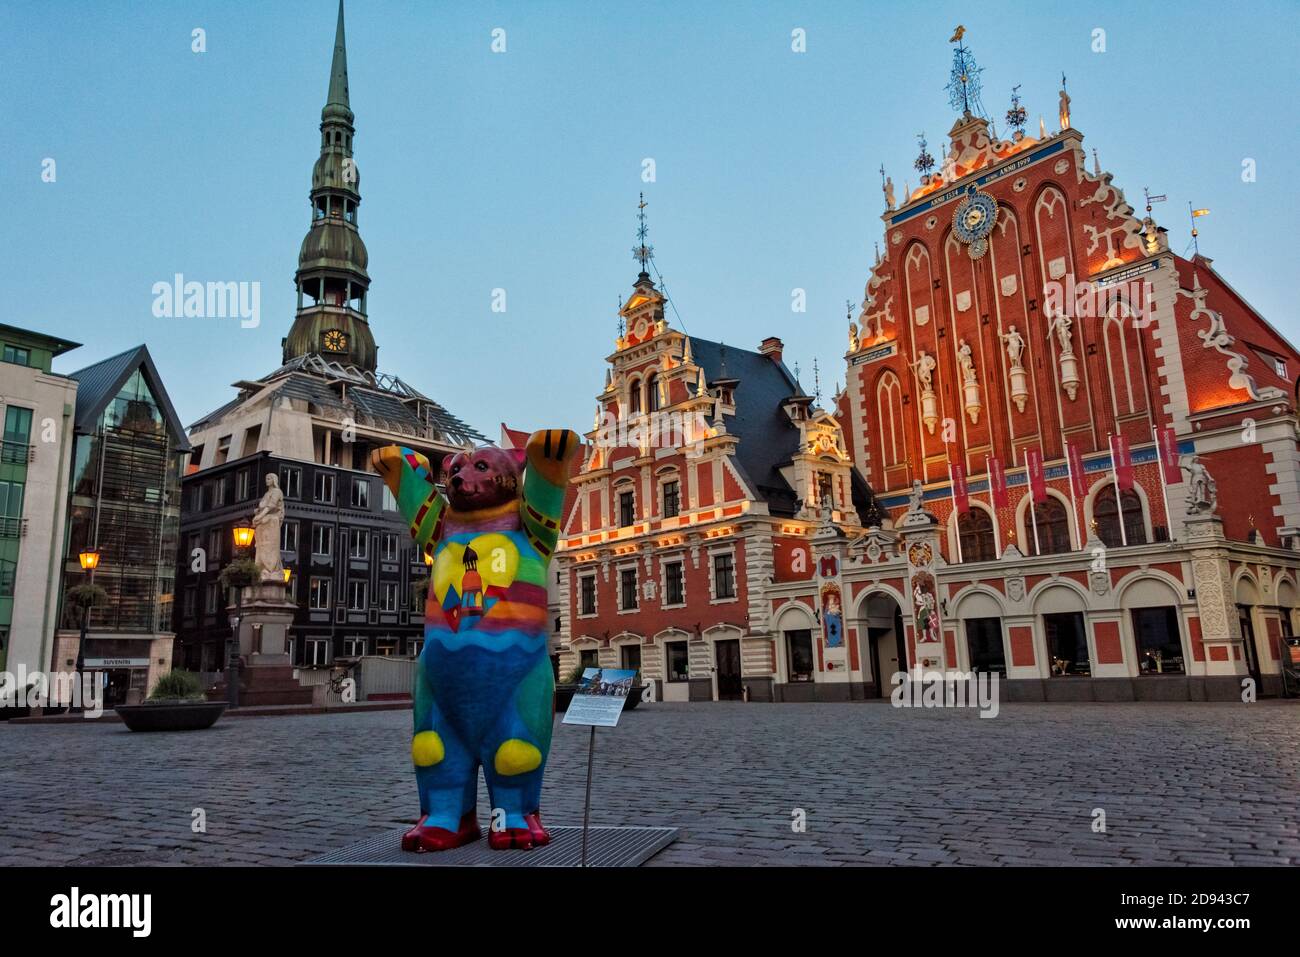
606, 847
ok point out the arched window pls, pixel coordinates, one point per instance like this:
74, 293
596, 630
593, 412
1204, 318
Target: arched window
652, 392
634, 396
975, 533
1053, 529
889, 403
1107, 516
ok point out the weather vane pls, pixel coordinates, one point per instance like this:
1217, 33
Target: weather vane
924, 162
964, 81
642, 252
1017, 115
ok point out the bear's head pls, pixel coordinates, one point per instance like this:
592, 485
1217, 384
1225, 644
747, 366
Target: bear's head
482, 478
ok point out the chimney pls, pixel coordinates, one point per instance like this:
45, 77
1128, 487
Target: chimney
771, 347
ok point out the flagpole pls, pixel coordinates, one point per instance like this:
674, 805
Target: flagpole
1033, 504
997, 544
1119, 500
1164, 486
956, 516
1074, 506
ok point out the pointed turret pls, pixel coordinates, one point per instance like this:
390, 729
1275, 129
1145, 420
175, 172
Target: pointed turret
332, 279
337, 101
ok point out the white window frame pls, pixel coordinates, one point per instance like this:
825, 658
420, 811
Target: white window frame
360, 493
713, 571
324, 480
388, 592
327, 588
327, 531
634, 568
595, 594
316, 652
365, 594
676, 558
362, 536
291, 481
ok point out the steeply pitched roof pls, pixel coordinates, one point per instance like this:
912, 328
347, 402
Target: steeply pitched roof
382, 401
768, 438
99, 384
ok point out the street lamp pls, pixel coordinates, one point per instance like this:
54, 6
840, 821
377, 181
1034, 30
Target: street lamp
243, 535
89, 559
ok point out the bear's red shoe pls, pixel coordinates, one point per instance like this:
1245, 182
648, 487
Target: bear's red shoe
540, 835
421, 838
511, 838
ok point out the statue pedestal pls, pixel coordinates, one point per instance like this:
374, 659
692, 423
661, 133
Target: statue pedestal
1216, 604
266, 677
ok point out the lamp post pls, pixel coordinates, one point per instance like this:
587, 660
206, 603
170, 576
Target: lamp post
89, 559
243, 535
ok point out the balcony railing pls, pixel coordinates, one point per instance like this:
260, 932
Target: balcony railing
16, 453
13, 527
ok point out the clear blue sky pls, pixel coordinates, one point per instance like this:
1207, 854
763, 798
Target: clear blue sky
521, 170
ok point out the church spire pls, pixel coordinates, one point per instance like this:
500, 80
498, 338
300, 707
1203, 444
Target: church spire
332, 280
338, 94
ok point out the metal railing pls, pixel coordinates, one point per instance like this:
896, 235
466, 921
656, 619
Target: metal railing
16, 453
13, 527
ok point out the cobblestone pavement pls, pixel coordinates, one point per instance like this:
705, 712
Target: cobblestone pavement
1179, 784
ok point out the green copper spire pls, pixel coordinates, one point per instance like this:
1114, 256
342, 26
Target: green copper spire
338, 95
332, 280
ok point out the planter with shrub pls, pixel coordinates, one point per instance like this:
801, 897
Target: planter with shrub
175, 704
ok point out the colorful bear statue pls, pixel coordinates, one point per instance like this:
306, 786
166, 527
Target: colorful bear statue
484, 690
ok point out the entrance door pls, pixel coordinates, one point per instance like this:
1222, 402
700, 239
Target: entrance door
1248, 643
727, 654
885, 649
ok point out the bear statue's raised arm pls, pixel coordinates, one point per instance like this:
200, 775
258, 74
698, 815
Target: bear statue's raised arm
410, 478
549, 453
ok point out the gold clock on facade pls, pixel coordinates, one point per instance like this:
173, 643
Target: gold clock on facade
336, 341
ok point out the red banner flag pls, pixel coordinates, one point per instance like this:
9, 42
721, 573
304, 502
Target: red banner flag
960, 495
1122, 463
1168, 445
1037, 481
1077, 484
998, 483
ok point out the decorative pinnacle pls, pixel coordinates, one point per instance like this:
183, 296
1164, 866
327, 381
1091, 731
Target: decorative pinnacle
1017, 115
964, 80
924, 162
642, 251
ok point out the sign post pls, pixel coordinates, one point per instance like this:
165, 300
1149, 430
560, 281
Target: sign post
598, 703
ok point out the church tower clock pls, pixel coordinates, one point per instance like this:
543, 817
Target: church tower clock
332, 281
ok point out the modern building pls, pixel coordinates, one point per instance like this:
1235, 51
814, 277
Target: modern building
313, 423
123, 501
708, 468
38, 411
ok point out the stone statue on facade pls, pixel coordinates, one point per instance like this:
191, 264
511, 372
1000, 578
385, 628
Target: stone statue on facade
266, 530
966, 361
1015, 345
914, 499
1202, 492
889, 192
1064, 110
923, 367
